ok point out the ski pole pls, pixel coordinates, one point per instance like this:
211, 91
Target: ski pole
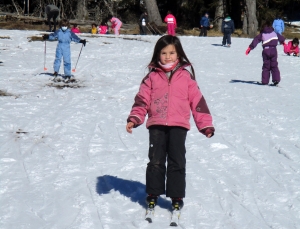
74, 69
149, 29
45, 69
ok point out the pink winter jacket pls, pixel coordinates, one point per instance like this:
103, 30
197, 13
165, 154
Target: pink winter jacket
75, 30
289, 48
115, 22
171, 19
170, 102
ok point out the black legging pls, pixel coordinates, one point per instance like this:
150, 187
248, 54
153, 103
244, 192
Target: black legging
52, 14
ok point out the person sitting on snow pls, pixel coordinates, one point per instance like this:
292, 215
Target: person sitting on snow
292, 48
75, 29
64, 36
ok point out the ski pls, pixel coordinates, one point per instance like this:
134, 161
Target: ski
175, 218
149, 214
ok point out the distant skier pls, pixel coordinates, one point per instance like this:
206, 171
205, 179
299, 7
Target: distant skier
168, 94
143, 21
64, 37
292, 47
115, 24
269, 41
227, 30
278, 25
204, 25
52, 12
171, 23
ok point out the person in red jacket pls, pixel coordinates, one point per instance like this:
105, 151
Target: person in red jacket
292, 48
169, 94
171, 23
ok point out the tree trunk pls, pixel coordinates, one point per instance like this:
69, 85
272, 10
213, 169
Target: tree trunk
251, 19
153, 13
219, 14
82, 12
245, 24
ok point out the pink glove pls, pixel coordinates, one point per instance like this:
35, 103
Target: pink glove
248, 50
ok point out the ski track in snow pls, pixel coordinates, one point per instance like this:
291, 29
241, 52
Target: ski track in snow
67, 162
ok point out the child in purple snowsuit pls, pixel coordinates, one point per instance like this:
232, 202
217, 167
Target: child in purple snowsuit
269, 41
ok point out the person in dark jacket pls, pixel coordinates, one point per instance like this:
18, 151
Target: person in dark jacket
204, 25
143, 23
52, 12
269, 41
227, 30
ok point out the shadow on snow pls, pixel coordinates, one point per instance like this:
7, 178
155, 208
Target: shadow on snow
132, 189
244, 81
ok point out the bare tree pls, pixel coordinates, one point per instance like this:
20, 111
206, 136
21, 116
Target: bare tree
250, 21
153, 12
17, 7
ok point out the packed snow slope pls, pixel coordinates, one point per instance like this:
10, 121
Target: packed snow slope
67, 161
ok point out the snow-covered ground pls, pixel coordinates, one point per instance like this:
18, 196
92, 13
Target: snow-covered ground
66, 160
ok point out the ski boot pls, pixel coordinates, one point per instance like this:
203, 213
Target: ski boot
177, 205
67, 79
151, 201
55, 75
275, 83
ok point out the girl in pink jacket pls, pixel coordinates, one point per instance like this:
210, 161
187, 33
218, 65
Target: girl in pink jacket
168, 94
75, 29
171, 23
115, 24
292, 48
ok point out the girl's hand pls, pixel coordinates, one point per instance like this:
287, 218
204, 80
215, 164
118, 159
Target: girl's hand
209, 136
129, 127
209, 132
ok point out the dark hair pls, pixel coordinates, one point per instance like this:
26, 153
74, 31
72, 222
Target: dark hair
74, 25
296, 41
109, 17
64, 22
94, 24
265, 24
162, 43
103, 23
169, 12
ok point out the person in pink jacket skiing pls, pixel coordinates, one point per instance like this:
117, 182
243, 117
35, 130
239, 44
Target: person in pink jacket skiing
171, 23
115, 24
168, 94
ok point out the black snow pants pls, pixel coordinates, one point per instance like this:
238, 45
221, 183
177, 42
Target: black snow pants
143, 30
167, 143
203, 31
227, 37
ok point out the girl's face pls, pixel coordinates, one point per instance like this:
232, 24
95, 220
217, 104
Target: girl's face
295, 44
168, 54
